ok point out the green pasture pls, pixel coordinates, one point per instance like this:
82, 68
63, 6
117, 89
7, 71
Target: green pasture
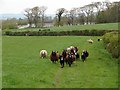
23, 68
105, 26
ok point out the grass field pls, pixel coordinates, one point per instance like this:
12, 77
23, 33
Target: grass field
23, 68
105, 26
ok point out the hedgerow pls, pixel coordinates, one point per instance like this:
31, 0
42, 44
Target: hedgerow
59, 33
111, 41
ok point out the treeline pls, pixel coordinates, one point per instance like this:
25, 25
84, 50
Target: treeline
13, 23
111, 14
94, 13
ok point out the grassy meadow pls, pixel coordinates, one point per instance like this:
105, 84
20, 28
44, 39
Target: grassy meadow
23, 68
105, 26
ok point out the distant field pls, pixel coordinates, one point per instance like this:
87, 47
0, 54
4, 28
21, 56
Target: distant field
23, 68
107, 26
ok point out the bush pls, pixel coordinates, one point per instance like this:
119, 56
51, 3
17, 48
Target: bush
112, 43
9, 24
47, 32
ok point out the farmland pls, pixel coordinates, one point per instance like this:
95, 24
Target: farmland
105, 26
23, 68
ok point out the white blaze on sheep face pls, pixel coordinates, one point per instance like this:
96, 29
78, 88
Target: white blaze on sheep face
61, 58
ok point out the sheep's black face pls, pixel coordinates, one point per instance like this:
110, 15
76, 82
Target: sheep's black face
53, 53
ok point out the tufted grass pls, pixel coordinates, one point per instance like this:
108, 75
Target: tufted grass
23, 68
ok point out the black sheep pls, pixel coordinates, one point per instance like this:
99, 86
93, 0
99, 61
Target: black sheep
84, 55
61, 61
77, 55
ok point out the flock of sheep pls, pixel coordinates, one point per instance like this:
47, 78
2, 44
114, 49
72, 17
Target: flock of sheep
68, 55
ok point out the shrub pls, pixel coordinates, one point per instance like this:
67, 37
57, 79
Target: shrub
9, 24
47, 32
111, 41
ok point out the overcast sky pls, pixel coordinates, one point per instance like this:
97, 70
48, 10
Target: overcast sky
18, 6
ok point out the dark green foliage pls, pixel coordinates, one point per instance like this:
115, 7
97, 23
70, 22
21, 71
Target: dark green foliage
112, 43
101, 17
9, 24
22, 21
47, 32
13, 23
109, 15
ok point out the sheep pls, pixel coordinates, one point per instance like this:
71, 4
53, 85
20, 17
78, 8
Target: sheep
61, 60
84, 55
43, 53
71, 47
54, 56
68, 49
99, 39
90, 41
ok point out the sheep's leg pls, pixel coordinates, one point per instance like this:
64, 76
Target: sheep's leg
66, 61
69, 63
83, 59
62, 64
52, 61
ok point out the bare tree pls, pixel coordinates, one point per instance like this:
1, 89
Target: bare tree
91, 16
59, 13
87, 9
107, 5
98, 6
43, 9
36, 15
80, 15
28, 14
72, 15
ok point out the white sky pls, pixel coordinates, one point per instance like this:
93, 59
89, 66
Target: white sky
18, 6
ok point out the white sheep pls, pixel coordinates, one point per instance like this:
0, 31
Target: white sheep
43, 53
90, 41
68, 49
71, 47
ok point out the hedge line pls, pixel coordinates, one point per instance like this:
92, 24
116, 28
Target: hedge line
112, 43
60, 33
